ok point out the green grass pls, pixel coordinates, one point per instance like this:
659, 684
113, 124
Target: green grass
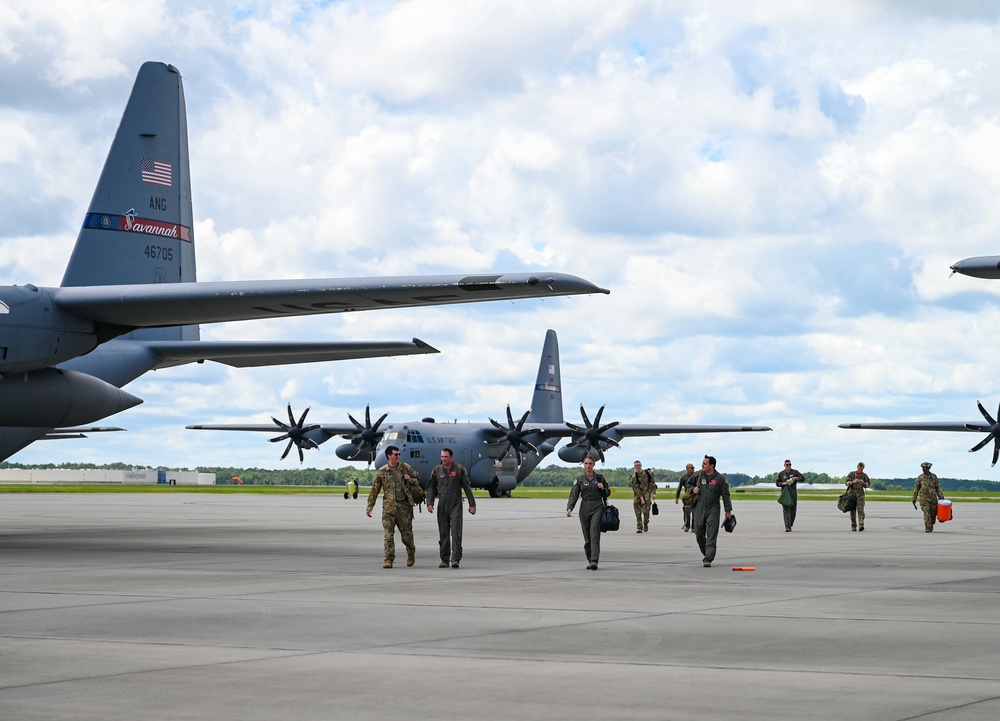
619, 494
163, 488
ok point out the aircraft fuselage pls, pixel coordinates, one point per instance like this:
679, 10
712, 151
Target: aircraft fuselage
420, 445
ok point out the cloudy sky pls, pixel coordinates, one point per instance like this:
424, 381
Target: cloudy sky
773, 192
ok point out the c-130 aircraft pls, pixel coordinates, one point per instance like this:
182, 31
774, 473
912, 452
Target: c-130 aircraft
497, 455
986, 266
129, 301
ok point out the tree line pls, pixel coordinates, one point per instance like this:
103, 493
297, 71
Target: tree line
551, 476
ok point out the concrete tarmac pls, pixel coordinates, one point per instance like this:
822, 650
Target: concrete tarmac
245, 607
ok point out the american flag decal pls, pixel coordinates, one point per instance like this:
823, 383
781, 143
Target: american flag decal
156, 172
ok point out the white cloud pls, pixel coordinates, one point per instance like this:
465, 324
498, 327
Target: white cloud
772, 191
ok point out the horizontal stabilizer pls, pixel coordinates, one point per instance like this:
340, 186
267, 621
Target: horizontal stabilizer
253, 354
167, 304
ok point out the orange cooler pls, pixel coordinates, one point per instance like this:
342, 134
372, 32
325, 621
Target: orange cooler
944, 510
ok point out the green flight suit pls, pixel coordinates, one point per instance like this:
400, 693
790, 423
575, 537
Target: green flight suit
590, 511
712, 489
449, 486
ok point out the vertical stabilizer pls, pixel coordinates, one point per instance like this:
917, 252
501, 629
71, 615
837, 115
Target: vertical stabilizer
138, 228
546, 402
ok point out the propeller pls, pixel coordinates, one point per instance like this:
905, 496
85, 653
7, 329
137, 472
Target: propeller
591, 435
994, 434
295, 433
368, 435
514, 436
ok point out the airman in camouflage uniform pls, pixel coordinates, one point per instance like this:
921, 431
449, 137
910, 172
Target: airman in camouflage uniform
928, 490
857, 482
685, 484
644, 489
395, 481
448, 480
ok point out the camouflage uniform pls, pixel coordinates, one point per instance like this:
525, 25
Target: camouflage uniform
928, 489
712, 488
684, 484
397, 506
857, 482
449, 486
590, 511
644, 488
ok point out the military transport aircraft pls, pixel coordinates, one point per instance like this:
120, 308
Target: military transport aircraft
129, 301
987, 266
498, 455
990, 427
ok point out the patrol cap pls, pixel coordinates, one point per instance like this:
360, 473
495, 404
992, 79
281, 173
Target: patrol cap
926, 464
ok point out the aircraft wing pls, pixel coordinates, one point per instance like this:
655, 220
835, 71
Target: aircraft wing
251, 354
169, 304
626, 430
329, 429
972, 426
58, 434
634, 430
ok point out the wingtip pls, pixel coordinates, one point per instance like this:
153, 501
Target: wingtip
424, 345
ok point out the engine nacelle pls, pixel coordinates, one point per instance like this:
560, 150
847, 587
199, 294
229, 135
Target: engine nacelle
351, 452
576, 454
56, 398
482, 473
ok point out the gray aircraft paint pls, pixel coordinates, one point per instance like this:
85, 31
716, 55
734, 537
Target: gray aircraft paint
479, 447
130, 301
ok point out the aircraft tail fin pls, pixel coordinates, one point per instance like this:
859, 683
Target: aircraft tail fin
138, 228
546, 401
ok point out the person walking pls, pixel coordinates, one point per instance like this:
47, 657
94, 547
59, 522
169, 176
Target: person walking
710, 487
857, 482
644, 492
685, 484
448, 480
928, 489
395, 482
594, 490
789, 478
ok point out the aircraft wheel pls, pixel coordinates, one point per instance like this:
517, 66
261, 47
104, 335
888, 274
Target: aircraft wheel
346, 494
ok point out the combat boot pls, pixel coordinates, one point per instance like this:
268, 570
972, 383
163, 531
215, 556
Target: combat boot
411, 558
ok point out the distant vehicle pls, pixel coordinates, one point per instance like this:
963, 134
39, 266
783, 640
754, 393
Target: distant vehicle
990, 427
129, 301
498, 455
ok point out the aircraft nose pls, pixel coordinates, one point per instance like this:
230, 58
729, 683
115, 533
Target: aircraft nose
985, 266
